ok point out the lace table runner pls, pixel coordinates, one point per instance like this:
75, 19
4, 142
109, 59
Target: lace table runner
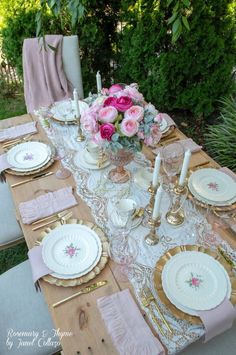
97, 192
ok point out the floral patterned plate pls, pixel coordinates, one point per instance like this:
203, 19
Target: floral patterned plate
195, 281
213, 185
29, 155
71, 250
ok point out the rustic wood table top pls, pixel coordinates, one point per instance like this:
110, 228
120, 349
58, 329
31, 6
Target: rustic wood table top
80, 315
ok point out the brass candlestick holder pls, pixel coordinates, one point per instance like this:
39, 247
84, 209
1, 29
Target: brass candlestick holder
80, 136
152, 190
152, 237
175, 216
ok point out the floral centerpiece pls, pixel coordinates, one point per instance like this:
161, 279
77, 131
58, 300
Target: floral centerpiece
121, 121
120, 118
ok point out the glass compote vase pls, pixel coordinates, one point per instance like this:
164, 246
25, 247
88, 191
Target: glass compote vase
120, 158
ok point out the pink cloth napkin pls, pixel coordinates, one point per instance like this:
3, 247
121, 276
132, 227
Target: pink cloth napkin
47, 204
168, 119
228, 172
218, 320
124, 322
44, 78
17, 131
4, 163
187, 143
38, 267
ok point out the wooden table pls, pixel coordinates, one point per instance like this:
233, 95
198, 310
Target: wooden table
80, 315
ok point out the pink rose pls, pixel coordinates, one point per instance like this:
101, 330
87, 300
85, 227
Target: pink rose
110, 101
135, 112
115, 88
89, 122
107, 130
129, 127
158, 118
133, 93
123, 103
96, 107
108, 114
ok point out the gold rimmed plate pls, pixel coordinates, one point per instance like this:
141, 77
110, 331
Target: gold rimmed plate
158, 280
91, 274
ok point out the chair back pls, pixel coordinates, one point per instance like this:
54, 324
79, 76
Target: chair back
71, 63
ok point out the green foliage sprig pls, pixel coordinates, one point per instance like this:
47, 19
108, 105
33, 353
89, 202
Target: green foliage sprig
179, 19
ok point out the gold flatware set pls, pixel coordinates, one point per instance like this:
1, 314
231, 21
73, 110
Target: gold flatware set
15, 141
62, 217
85, 290
38, 176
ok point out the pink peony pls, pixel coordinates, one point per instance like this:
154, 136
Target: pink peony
110, 101
107, 130
133, 93
108, 114
89, 122
105, 91
123, 103
129, 127
115, 88
135, 112
158, 118
96, 107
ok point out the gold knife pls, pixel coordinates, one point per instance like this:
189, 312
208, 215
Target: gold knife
65, 217
16, 140
32, 178
81, 292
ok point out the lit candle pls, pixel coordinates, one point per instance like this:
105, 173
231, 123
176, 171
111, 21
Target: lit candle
99, 82
157, 204
187, 157
76, 100
156, 170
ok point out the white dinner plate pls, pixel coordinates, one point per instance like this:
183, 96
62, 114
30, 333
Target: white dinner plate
213, 185
195, 281
65, 110
164, 126
207, 201
71, 249
28, 155
81, 162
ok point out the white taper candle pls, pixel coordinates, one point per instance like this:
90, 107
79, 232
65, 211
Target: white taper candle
156, 170
76, 100
187, 157
99, 82
157, 204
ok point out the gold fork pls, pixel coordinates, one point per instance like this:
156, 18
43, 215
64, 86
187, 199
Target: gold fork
151, 299
61, 219
146, 303
56, 215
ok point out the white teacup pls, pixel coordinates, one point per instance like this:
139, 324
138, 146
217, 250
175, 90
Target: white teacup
126, 205
93, 149
124, 209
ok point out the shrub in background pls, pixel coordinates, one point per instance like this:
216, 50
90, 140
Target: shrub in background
221, 137
191, 74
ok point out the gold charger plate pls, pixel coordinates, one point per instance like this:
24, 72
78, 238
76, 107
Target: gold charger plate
170, 130
35, 171
95, 271
63, 123
158, 282
206, 205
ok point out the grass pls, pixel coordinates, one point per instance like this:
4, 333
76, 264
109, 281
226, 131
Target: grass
10, 107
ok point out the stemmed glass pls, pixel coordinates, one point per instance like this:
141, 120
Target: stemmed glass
172, 155
62, 173
175, 216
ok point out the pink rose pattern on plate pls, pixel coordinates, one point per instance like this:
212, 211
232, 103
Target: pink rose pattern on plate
71, 250
28, 156
213, 186
194, 281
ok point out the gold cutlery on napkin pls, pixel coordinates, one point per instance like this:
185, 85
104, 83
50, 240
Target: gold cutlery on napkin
32, 178
61, 219
16, 141
87, 289
55, 215
147, 304
151, 299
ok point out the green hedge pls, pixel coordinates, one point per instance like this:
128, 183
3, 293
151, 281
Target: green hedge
191, 74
